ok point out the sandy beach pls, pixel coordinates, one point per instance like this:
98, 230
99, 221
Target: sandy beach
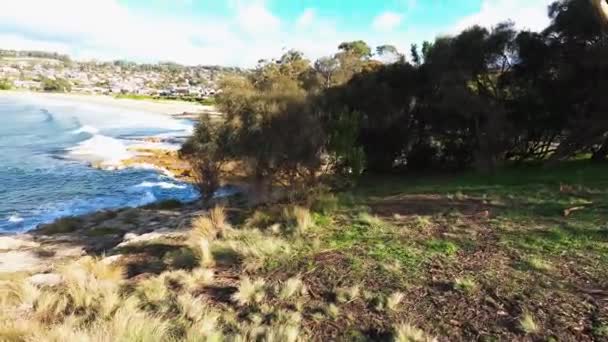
170, 107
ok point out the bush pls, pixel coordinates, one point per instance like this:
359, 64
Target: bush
207, 150
61, 226
6, 84
58, 85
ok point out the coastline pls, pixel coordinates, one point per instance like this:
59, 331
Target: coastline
151, 152
178, 109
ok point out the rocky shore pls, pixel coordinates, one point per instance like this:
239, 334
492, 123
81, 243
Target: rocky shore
104, 234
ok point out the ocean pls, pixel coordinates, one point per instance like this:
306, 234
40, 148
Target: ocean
47, 146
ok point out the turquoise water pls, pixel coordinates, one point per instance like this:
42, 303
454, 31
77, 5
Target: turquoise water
47, 147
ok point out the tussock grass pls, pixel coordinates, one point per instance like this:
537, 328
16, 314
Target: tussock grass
203, 251
292, 287
348, 294
259, 219
421, 222
539, 264
252, 246
250, 291
153, 290
211, 225
370, 220
298, 217
528, 324
393, 301
406, 332
332, 310
465, 284
325, 203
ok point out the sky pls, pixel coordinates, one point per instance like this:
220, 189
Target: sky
241, 32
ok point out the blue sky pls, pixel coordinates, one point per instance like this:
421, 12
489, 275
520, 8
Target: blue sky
240, 32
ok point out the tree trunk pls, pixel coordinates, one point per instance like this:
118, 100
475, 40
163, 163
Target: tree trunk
601, 155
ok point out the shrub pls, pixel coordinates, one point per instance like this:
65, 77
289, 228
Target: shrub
62, 226
56, 85
6, 84
207, 150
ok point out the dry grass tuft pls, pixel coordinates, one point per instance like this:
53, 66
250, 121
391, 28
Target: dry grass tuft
204, 254
332, 310
528, 324
348, 294
250, 292
393, 301
299, 217
252, 246
197, 278
405, 332
465, 284
539, 264
292, 287
210, 226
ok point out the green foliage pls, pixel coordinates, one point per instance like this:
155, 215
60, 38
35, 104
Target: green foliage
358, 48
5, 84
57, 85
208, 149
61, 226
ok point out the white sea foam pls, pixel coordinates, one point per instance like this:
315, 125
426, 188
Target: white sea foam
104, 151
86, 129
162, 185
15, 219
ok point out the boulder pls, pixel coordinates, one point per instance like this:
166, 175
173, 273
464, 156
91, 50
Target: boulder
11, 243
45, 279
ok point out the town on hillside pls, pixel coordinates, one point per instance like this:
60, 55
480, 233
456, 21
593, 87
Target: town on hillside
53, 72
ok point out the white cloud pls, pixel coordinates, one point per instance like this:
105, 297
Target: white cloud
387, 21
255, 18
306, 18
527, 14
108, 29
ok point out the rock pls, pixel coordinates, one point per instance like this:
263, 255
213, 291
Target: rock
113, 259
19, 261
45, 279
72, 252
10, 243
131, 238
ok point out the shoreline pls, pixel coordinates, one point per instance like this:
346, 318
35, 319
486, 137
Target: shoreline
147, 154
174, 108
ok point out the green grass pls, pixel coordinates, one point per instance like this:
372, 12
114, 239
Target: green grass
406, 258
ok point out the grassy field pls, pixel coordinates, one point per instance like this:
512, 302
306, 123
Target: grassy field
520, 255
